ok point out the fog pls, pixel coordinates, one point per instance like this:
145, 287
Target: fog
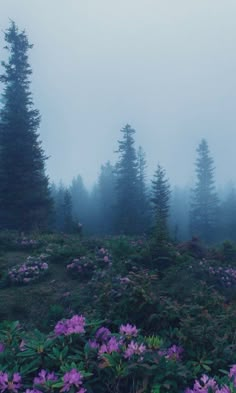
165, 67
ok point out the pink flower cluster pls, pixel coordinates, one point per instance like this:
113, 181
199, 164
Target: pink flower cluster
173, 353
106, 343
134, 349
129, 330
10, 384
73, 378
82, 266
28, 271
70, 326
223, 276
103, 255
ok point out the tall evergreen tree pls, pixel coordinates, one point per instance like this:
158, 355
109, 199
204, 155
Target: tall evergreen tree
160, 203
204, 201
126, 184
24, 191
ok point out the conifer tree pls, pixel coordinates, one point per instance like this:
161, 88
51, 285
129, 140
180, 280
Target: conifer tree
126, 184
204, 201
24, 191
228, 216
80, 201
68, 224
160, 203
142, 200
106, 190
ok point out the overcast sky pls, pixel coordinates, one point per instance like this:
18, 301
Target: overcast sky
167, 67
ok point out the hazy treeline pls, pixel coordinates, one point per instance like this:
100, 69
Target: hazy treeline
122, 201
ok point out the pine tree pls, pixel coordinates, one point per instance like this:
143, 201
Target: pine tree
160, 203
106, 190
228, 216
204, 201
126, 184
80, 201
68, 224
142, 200
24, 191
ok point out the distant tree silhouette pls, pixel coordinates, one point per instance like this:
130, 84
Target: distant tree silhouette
142, 198
106, 193
204, 200
160, 204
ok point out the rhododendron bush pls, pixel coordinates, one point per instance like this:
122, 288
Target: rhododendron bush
79, 356
31, 270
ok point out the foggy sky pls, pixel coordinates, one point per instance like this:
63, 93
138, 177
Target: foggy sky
167, 67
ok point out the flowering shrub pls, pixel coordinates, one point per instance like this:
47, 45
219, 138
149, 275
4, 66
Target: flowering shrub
224, 276
78, 358
209, 385
29, 271
27, 243
81, 267
103, 257
69, 326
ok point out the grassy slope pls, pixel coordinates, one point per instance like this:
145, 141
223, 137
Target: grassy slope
32, 302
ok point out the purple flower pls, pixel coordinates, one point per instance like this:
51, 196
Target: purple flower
129, 330
111, 346
103, 334
204, 385
134, 349
93, 344
2, 347
43, 377
224, 389
12, 385
232, 374
73, 378
69, 326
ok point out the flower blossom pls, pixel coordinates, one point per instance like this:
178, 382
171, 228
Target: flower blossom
43, 377
12, 385
129, 330
73, 378
134, 349
69, 326
111, 346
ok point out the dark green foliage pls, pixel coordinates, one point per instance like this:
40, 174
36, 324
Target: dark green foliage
160, 203
204, 206
24, 192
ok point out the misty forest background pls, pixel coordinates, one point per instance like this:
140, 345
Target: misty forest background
123, 200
